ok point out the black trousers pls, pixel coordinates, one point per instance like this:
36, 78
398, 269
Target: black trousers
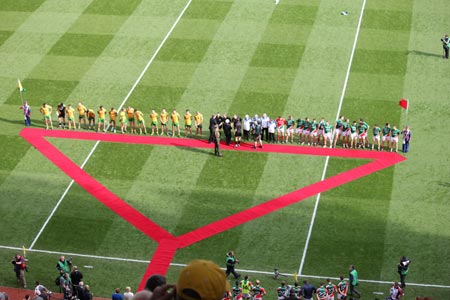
271, 137
446, 52
211, 135
402, 280
265, 134
228, 138
246, 135
231, 270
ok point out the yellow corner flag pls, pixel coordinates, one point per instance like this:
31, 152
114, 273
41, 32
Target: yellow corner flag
19, 85
295, 277
24, 251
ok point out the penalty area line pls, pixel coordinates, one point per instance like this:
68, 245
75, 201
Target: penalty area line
120, 107
183, 265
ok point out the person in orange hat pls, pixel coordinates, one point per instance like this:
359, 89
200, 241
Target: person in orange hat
201, 280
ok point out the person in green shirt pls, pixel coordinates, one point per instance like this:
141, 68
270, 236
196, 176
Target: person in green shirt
327, 134
290, 127
230, 261
376, 130
321, 292
394, 138
386, 135
353, 281
338, 130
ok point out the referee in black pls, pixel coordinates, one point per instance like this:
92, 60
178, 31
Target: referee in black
445, 44
231, 260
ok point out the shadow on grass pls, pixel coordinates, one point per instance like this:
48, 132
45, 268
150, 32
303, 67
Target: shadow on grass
415, 52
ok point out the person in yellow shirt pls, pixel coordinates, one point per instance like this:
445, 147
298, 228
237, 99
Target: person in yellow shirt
91, 118
187, 123
140, 121
164, 118
71, 117
131, 121
123, 120
112, 119
82, 111
175, 116
101, 118
46, 111
198, 119
154, 122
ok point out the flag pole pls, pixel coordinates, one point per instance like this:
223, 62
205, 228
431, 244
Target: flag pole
406, 117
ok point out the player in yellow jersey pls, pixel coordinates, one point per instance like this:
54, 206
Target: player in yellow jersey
82, 114
101, 118
71, 117
46, 111
131, 121
112, 119
198, 119
187, 123
123, 120
164, 118
91, 118
154, 122
140, 121
175, 116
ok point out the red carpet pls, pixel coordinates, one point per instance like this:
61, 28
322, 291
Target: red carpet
167, 243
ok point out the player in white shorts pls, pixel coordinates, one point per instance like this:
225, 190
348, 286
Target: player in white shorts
306, 131
338, 130
386, 135
376, 130
327, 134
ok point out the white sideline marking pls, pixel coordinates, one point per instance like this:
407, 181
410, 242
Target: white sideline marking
183, 265
347, 75
119, 108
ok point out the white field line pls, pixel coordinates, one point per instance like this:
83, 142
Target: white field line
344, 88
120, 107
183, 265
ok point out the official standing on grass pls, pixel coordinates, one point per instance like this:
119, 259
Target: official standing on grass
26, 113
212, 123
402, 269
406, 139
353, 281
19, 269
217, 141
446, 45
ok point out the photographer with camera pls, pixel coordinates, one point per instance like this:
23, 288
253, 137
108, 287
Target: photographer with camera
20, 268
231, 260
64, 265
445, 44
402, 269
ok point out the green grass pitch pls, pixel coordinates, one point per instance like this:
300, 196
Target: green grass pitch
241, 56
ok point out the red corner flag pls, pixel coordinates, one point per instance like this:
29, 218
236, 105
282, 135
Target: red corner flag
404, 103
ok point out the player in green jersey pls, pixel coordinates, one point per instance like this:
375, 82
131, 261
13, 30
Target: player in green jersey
321, 292
337, 130
236, 291
386, 132
345, 133
258, 291
394, 138
342, 288
314, 132
331, 289
282, 290
353, 135
376, 130
327, 134
363, 127
290, 127
306, 130
320, 131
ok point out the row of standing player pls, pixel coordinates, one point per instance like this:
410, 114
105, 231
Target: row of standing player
353, 134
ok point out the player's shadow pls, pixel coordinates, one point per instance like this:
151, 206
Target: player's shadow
421, 53
13, 121
195, 150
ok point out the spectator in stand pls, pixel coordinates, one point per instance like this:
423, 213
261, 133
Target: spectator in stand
87, 293
19, 269
41, 291
117, 295
152, 283
128, 295
64, 264
201, 279
65, 285
4, 296
79, 290
76, 276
